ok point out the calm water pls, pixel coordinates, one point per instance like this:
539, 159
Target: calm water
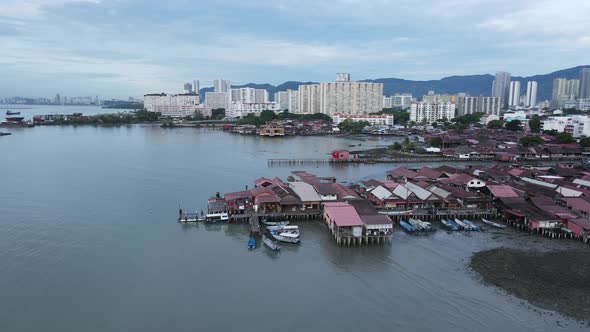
89, 242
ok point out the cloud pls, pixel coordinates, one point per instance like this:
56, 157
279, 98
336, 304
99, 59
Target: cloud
31, 9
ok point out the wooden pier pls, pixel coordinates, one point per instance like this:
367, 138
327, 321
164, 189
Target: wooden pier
353, 161
243, 218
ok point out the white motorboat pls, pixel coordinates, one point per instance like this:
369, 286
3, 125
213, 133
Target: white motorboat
270, 241
493, 224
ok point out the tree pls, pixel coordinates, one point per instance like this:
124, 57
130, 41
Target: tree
514, 125
435, 142
350, 126
585, 142
564, 138
531, 140
535, 124
495, 124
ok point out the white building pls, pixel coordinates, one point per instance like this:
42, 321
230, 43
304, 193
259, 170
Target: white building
431, 112
387, 102
470, 105
374, 120
342, 77
577, 125
398, 100
173, 105
514, 95
342, 96
293, 106
531, 94
217, 100
249, 95
487, 118
238, 109
282, 98
564, 90
221, 85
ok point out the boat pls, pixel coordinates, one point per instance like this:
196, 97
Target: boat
415, 224
266, 222
289, 234
462, 224
459, 227
216, 218
251, 243
449, 225
493, 224
269, 240
421, 225
407, 226
4, 134
472, 226
8, 112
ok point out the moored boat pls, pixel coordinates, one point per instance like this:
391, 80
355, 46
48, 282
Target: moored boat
459, 227
415, 224
493, 224
471, 225
462, 224
251, 243
449, 225
269, 240
267, 222
216, 218
289, 234
409, 228
4, 134
9, 112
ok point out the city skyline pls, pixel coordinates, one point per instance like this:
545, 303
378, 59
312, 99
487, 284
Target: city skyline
160, 45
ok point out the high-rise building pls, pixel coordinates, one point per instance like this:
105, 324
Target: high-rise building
470, 105
188, 88
221, 85
584, 83
342, 77
531, 94
309, 98
348, 97
293, 101
260, 96
514, 94
564, 90
401, 100
282, 98
421, 112
196, 86
57, 99
217, 100
174, 105
501, 87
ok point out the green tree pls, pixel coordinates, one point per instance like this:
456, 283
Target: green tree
495, 124
531, 140
585, 142
350, 126
514, 125
564, 138
435, 142
535, 124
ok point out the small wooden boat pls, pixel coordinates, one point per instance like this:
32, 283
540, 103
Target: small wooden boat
4, 134
251, 244
449, 225
462, 224
289, 234
269, 240
471, 225
407, 226
450, 221
493, 224
423, 225
415, 224
266, 222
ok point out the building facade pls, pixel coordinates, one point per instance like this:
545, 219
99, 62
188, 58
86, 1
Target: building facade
217, 100
374, 120
501, 87
172, 105
221, 85
351, 98
238, 109
584, 83
531, 94
282, 98
576, 125
514, 94
470, 105
309, 98
564, 90
421, 112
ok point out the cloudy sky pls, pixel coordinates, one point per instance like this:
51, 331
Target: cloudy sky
120, 48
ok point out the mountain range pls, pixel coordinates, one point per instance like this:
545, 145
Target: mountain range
475, 85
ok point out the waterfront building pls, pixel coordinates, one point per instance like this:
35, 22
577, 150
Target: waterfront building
576, 125
374, 120
501, 88
238, 109
431, 112
173, 105
531, 94
348, 97
217, 100
564, 90
584, 83
514, 94
221, 85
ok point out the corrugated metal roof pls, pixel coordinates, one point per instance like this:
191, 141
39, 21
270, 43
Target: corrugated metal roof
582, 182
343, 214
305, 191
381, 193
502, 191
421, 193
540, 183
402, 192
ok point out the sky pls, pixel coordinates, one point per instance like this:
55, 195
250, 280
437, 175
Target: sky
121, 48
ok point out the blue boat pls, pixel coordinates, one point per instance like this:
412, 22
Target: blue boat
457, 226
473, 226
407, 226
251, 244
449, 225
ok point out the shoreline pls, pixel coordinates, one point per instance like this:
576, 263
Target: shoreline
554, 280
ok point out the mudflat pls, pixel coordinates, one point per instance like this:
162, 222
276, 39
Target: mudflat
556, 280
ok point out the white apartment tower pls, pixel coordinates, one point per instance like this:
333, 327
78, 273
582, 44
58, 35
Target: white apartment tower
431, 112
309, 98
531, 94
221, 85
342, 77
514, 95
